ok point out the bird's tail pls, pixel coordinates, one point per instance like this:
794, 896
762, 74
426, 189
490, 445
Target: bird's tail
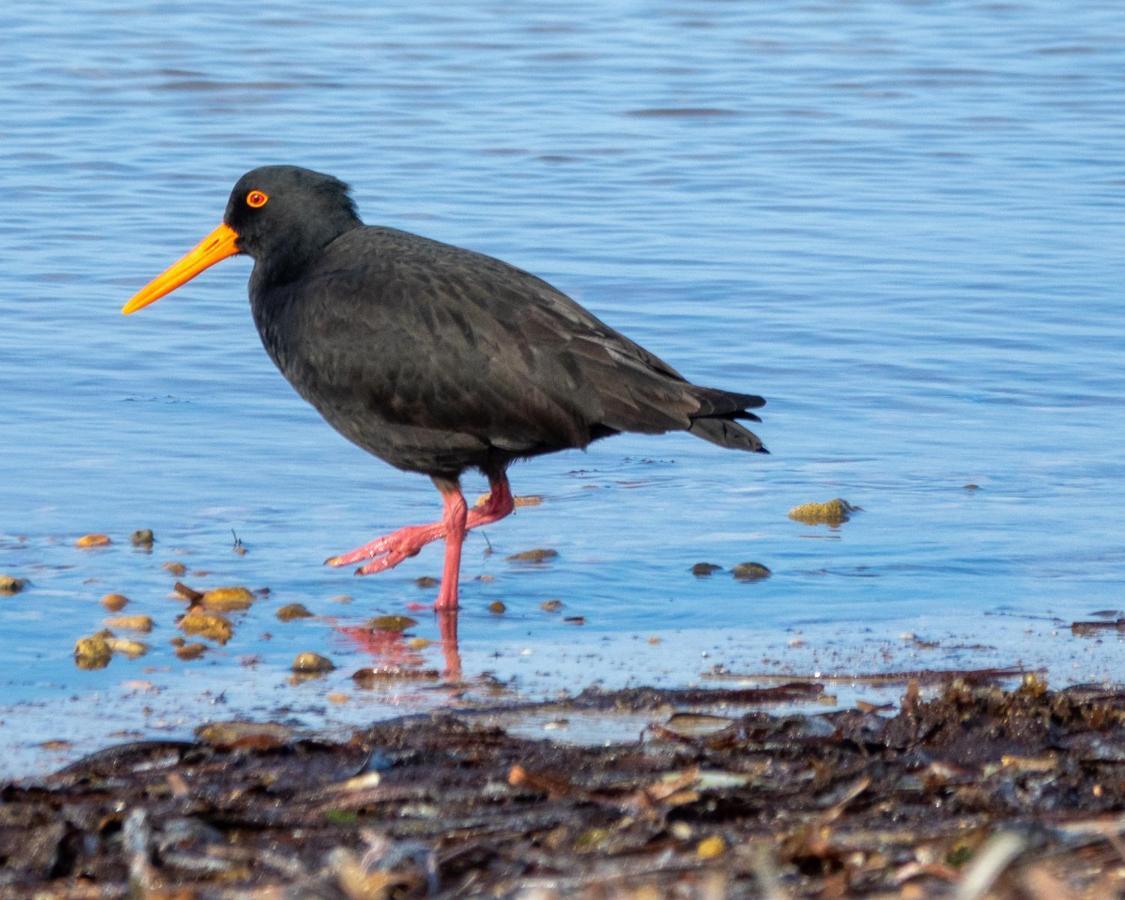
715, 421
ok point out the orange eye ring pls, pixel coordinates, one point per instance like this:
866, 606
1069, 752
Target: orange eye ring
256, 199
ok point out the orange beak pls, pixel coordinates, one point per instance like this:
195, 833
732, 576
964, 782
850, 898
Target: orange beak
218, 245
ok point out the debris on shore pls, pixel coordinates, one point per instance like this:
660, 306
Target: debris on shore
977, 791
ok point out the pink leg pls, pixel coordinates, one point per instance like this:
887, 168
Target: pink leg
388, 551
454, 520
447, 627
498, 505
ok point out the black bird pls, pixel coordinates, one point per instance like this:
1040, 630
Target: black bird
434, 358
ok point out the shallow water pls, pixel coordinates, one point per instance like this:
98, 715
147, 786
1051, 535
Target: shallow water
899, 223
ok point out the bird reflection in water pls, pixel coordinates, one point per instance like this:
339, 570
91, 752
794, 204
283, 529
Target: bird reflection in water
391, 650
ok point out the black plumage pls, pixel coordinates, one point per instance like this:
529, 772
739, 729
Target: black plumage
438, 359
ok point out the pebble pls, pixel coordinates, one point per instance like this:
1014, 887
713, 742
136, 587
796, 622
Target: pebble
831, 512
538, 555
245, 735
92, 652
175, 568
194, 650
711, 847
750, 571
497, 607
142, 537
391, 623
88, 541
127, 647
703, 569
309, 662
131, 623
228, 598
9, 584
115, 602
206, 624
551, 605
292, 611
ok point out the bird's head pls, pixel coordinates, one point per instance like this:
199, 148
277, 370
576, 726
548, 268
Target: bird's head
282, 216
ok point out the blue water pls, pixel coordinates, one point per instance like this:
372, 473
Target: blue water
901, 223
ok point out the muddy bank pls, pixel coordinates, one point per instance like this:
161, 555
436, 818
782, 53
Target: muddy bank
976, 789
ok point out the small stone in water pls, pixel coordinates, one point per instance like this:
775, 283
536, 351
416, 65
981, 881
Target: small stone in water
175, 568
114, 602
497, 607
126, 647
312, 662
418, 643
538, 555
228, 598
426, 581
391, 623
206, 624
293, 611
575, 620
750, 571
551, 605
130, 623
142, 537
9, 584
93, 540
832, 512
193, 650
245, 735
92, 652
702, 569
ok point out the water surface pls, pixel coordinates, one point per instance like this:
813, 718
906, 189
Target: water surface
901, 223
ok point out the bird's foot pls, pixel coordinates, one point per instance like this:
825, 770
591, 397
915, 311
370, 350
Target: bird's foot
388, 551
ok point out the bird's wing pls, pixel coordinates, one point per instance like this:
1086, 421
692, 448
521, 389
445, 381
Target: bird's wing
453, 341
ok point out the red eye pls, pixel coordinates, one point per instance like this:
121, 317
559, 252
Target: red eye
255, 199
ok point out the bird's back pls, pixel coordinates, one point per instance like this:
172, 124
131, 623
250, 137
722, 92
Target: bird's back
437, 358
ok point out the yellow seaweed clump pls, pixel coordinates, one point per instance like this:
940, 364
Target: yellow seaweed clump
206, 624
92, 652
228, 598
126, 646
831, 512
131, 623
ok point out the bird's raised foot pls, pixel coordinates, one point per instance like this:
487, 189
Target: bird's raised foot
388, 551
